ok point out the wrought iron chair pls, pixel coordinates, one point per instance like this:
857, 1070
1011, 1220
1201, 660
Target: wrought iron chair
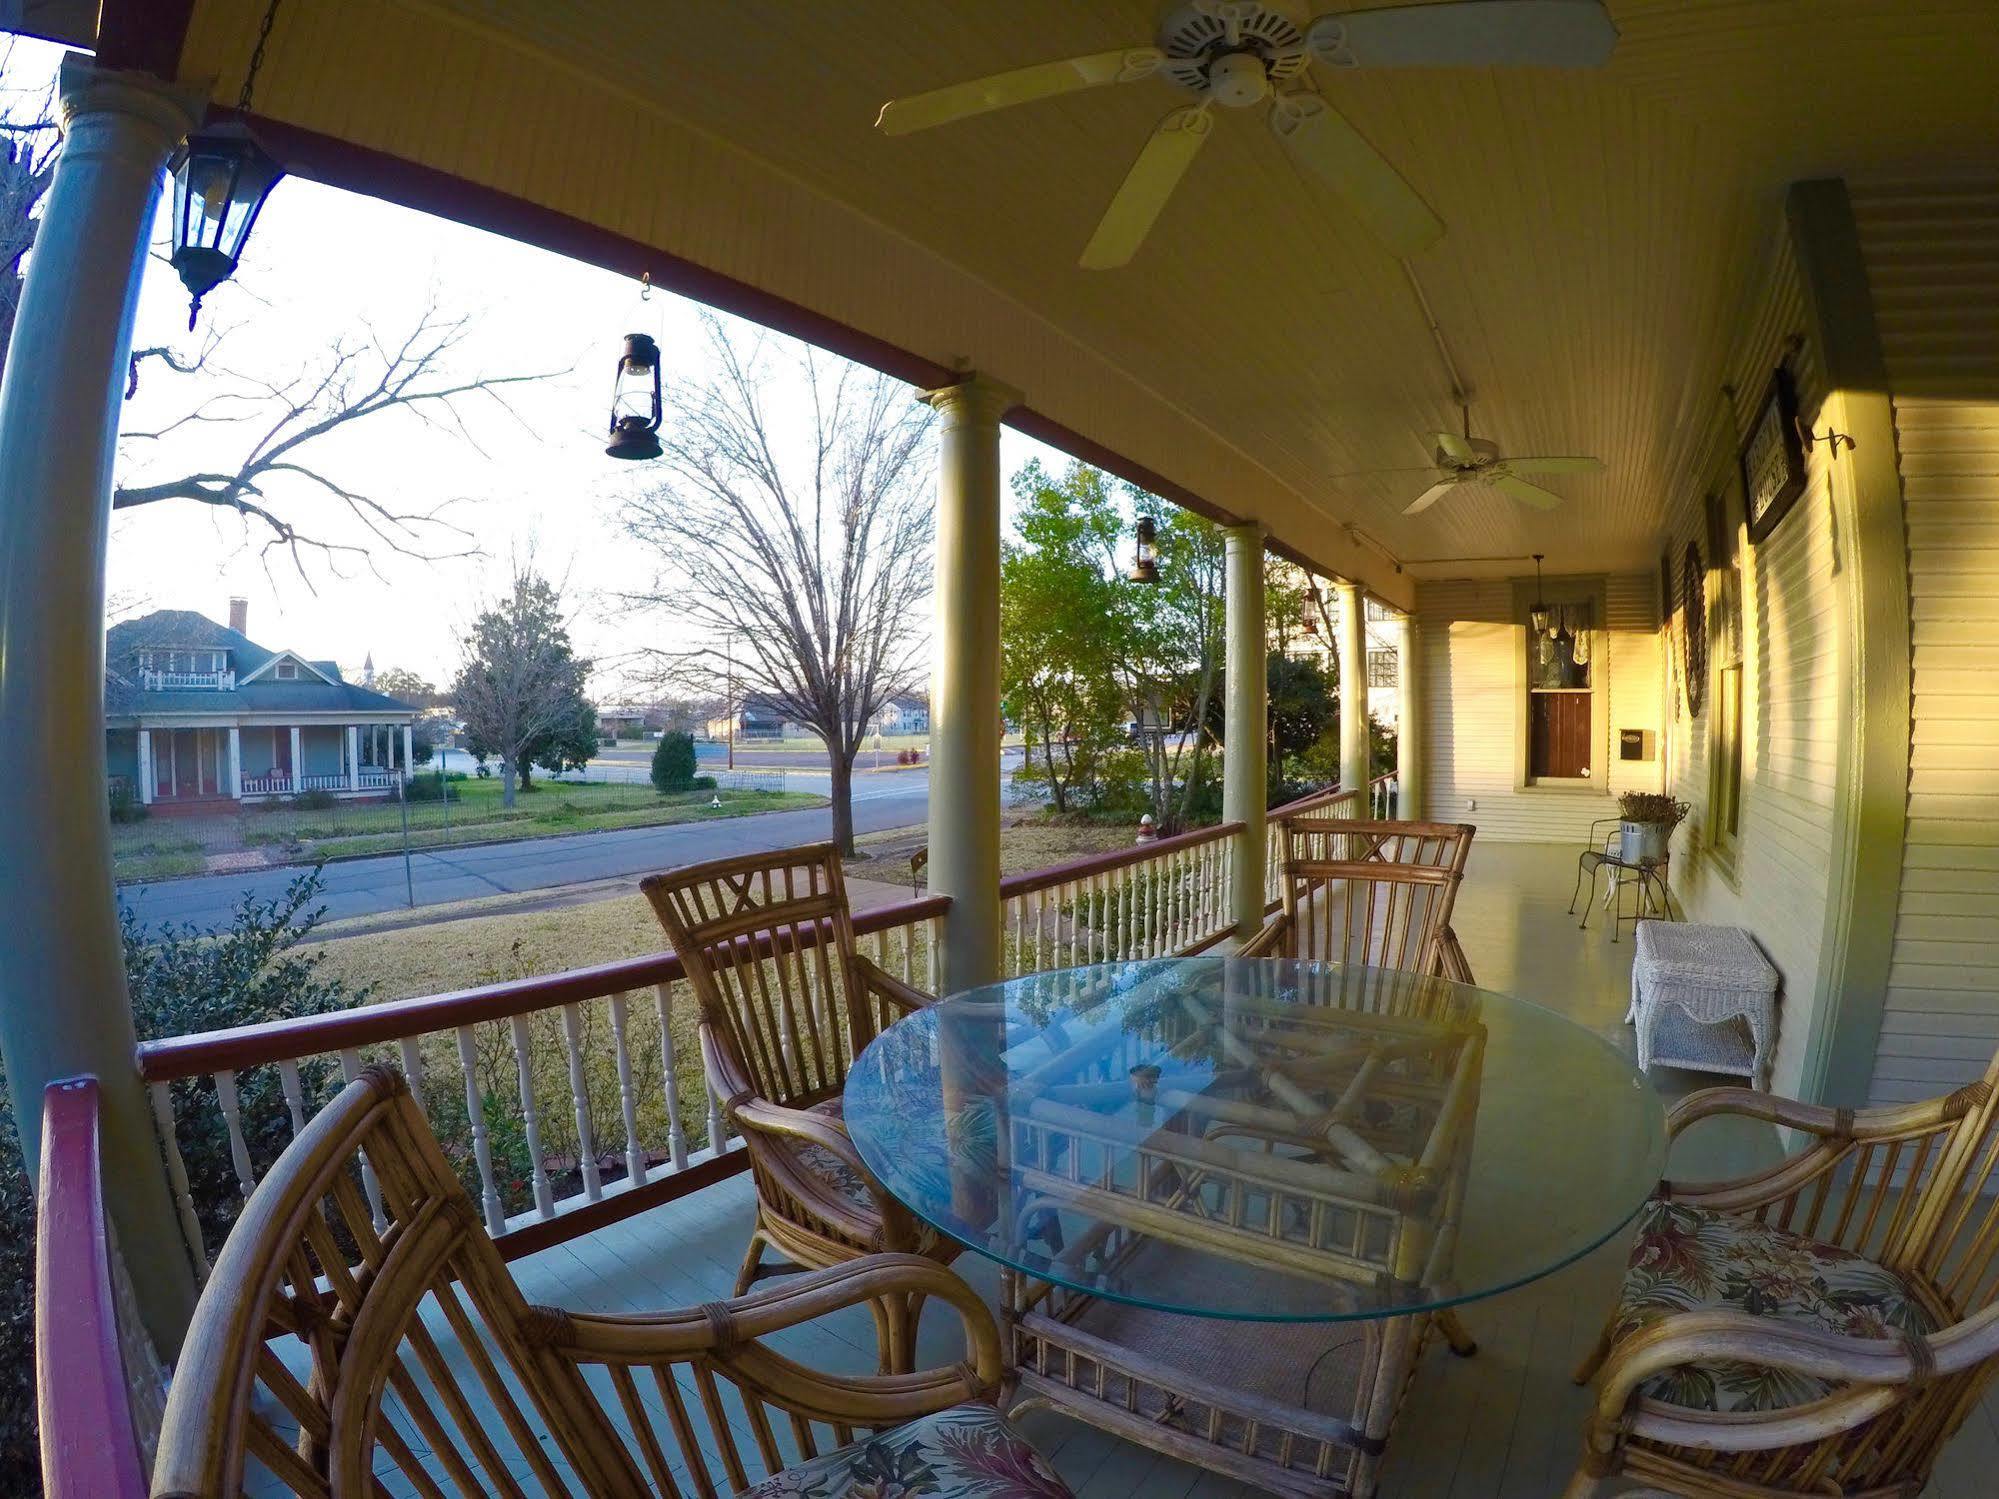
1378, 893
1820, 1327
787, 1002
360, 1336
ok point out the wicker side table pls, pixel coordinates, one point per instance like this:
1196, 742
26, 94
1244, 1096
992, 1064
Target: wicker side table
1694, 991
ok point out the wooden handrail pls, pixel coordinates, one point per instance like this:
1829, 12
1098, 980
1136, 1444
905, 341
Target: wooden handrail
1089, 864
397, 1019
90, 1449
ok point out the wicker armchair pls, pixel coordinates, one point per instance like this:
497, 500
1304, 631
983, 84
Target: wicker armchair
1821, 1327
1378, 893
787, 1003
360, 1336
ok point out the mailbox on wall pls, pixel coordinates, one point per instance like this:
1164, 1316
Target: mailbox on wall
1634, 744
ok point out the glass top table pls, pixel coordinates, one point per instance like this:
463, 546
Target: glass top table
1258, 1139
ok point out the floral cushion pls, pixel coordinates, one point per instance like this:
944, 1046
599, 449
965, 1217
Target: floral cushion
1689, 1258
822, 1163
967, 1452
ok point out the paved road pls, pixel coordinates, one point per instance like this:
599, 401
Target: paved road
358, 887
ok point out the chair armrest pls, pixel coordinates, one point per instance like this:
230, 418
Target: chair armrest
1267, 941
885, 985
730, 1333
789, 1127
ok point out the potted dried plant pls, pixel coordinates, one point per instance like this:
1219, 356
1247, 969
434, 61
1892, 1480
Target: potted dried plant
1649, 818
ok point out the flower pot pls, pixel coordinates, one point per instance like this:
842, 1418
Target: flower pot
1643, 842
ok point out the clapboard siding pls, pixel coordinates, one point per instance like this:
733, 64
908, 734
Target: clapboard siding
1932, 252
1476, 708
1793, 660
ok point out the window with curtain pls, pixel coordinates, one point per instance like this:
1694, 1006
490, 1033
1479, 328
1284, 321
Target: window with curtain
1561, 685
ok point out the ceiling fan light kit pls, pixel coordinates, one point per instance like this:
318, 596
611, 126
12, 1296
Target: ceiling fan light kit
1240, 54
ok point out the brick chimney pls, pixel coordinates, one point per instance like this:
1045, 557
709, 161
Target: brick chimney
239, 615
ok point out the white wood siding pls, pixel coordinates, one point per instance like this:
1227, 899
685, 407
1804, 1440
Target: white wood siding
1474, 692
1932, 250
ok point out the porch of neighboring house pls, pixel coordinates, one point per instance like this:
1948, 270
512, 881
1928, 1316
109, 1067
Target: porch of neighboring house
194, 768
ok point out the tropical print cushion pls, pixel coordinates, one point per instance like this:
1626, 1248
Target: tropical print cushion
822, 1163
1688, 1258
967, 1452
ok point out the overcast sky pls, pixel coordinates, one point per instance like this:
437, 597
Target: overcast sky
323, 265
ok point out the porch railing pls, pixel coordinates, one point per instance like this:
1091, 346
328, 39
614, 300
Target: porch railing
567, 1101
271, 785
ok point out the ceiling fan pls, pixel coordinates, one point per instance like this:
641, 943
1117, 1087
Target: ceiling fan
1237, 54
1474, 460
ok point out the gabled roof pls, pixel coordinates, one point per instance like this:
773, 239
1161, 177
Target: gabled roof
325, 670
256, 690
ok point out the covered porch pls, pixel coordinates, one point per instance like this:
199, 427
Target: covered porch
1632, 256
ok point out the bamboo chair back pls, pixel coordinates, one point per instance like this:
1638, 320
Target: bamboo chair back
768, 947
1374, 893
360, 1336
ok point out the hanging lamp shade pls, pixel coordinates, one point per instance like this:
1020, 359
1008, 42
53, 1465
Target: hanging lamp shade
635, 401
1539, 616
1145, 554
221, 177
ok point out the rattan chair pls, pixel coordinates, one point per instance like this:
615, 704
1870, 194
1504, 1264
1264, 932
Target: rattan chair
787, 1003
1821, 1327
1378, 893
359, 1336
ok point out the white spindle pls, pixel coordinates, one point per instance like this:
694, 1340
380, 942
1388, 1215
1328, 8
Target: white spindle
579, 1093
190, 1224
628, 1102
412, 1056
294, 1092
350, 1068
716, 1137
936, 942
544, 1200
232, 1116
1126, 946
482, 1144
676, 1133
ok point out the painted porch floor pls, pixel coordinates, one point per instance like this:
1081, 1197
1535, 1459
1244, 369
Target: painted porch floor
1504, 1423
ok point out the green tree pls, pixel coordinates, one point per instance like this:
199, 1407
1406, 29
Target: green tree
520, 685
673, 762
406, 686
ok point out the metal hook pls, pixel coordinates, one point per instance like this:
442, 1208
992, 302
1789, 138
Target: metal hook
1811, 439
645, 286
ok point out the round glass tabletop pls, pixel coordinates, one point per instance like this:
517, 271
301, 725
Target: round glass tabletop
1258, 1139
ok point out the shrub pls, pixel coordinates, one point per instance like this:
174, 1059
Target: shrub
125, 803
20, 1460
702, 783
313, 801
673, 763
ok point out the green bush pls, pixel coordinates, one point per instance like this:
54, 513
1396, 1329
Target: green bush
125, 803
431, 788
702, 783
313, 801
673, 763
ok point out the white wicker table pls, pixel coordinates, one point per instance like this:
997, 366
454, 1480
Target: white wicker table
1704, 998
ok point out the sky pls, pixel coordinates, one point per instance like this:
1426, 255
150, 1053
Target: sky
324, 265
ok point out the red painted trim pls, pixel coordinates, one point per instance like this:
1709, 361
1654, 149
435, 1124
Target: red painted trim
316, 1035
144, 34
89, 1447
1089, 864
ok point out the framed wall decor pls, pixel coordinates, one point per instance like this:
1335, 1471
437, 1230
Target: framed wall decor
1772, 457
1693, 625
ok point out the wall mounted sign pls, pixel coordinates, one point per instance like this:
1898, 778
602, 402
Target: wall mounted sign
1773, 457
1693, 618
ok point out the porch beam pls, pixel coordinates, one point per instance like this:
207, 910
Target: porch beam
1245, 736
1353, 688
964, 678
64, 1009
1409, 709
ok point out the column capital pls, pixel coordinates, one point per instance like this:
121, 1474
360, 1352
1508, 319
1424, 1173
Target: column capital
1249, 532
976, 398
86, 90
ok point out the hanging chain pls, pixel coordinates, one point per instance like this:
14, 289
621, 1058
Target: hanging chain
256, 58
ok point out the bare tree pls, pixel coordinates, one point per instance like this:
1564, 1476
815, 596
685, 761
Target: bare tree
520, 685
272, 480
29, 141
797, 556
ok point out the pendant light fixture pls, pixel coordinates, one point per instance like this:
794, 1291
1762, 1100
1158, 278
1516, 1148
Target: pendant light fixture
1538, 616
1145, 557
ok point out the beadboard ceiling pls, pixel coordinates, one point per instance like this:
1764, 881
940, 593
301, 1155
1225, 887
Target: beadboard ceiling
1603, 226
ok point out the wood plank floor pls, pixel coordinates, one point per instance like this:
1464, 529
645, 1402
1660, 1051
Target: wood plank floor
1502, 1424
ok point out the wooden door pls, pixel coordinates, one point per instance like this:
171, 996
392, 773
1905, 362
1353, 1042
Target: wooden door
1558, 735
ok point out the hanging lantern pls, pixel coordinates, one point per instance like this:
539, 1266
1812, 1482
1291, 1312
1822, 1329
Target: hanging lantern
1145, 559
1308, 609
221, 178
1539, 616
635, 407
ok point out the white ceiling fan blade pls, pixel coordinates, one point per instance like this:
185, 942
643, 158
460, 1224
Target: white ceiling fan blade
1457, 449
1174, 144
1555, 465
940, 106
1468, 34
1320, 140
1525, 493
1429, 496
1371, 473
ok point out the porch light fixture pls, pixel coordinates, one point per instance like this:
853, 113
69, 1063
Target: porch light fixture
221, 178
635, 404
1538, 616
1145, 558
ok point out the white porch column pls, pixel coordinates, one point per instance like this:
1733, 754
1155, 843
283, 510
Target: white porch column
63, 1005
1353, 690
146, 767
409, 758
298, 763
1245, 730
1409, 709
353, 757
235, 761
964, 679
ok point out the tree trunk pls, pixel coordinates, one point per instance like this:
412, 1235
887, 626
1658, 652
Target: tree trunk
1055, 778
841, 788
506, 781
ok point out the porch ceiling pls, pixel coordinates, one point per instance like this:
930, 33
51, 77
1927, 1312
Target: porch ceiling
1601, 226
